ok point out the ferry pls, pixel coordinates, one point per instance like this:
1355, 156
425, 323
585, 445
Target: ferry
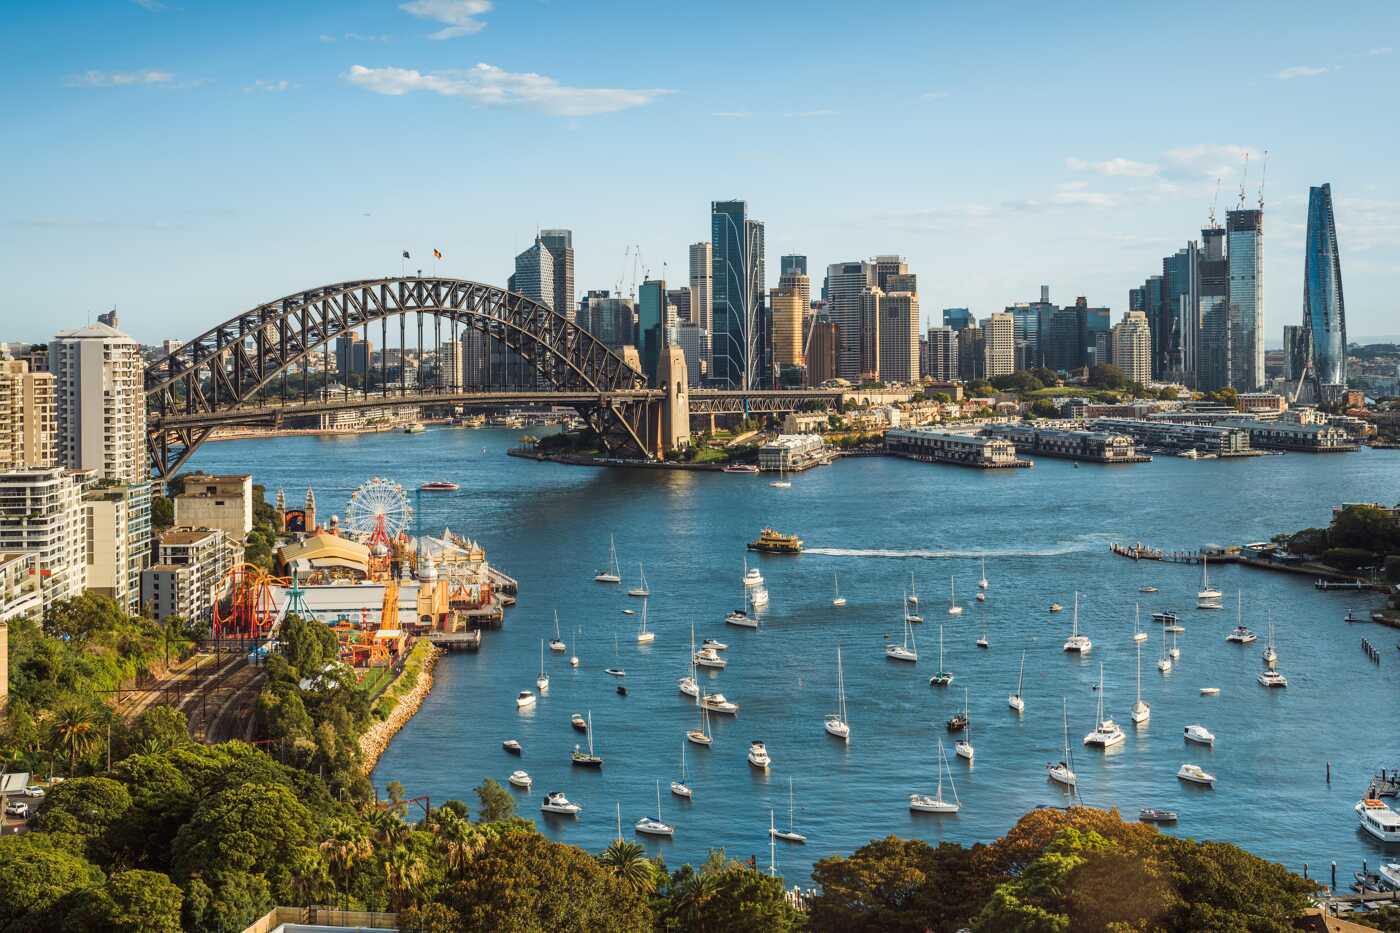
772, 542
414, 428
740, 468
1378, 819
1151, 815
439, 485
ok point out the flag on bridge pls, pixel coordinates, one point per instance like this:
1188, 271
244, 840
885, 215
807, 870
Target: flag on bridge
405, 255
437, 254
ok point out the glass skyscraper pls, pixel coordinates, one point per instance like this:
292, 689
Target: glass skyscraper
739, 341
1324, 311
1244, 232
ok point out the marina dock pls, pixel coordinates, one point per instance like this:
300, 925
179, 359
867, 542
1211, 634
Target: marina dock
1143, 552
469, 640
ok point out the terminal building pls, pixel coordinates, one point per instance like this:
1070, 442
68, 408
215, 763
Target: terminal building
792, 452
1294, 435
1089, 446
1220, 440
934, 446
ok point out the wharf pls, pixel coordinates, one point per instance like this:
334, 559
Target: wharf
469, 640
1143, 552
974, 464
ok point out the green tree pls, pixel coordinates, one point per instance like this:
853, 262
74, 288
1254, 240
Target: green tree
1226, 396
345, 847
37, 872
220, 900
306, 644
628, 862
1106, 376
133, 902
495, 802
460, 840
159, 729
725, 896
1044, 408
896, 885
249, 828
82, 617
162, 799
430, 918
86, 807
404, 871
162, 513
77, 734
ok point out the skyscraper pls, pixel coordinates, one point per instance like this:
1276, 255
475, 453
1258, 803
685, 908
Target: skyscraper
887, 267
1180, 300
870, 297
560, 244
1295, 351
899, 337
100, 402
999, 337
1132, 347
958, 318
845, 284
1244, 231
651, 325
739, 337
1208, 335
793, 274
822, 344
534, 274
942, 354
701, 294
1324, 311
786, 304
27, 426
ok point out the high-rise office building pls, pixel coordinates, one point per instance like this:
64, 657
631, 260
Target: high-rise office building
823, 343
899, 337
100, 402
651, 325
1324, 310
1181, 299
694, 342
870, 298
352, 359
958, 318
886, 267
793, 274
1062, 339
739, 337
999, 342
972, 354
942, 354
560, 244
680, 298
786, 307
613, 320
843, 291
701, 277
793, 264
1207, 338
27, 423
1093, 333
534, 274
1295, 351
1244, 231
1132, 347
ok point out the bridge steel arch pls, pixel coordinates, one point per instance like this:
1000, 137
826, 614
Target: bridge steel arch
225, 368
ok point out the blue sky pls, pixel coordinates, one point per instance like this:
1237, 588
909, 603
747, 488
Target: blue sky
185, 161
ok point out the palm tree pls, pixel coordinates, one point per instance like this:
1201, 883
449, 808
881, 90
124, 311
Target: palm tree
403, 872
389, 829
630, 864
461, 840
345, 846
693, 895
76, 731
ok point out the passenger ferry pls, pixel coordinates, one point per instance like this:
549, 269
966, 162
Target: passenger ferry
772, 542
439, 485
1378, 819
741, 468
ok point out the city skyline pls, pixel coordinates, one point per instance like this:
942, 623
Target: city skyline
531, 115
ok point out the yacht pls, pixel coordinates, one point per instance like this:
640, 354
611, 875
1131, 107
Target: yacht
578, 723
1150, 815
1147, 589
645, 637
758, 597
751, 575
717, 703
641, 590
1209, 596
963, 746
790, 834
586, 759
1196, 775
1272, 678
942, 677
613, 573
681, 788
908, 651
836, 723
520, 779
1077, 643
1389, 874
712, 643
542, 681
1062, 771
758, 755
1015, 700
1056, 607
709, 657
1270, 653
1174, 651
1210, 691
1241, 635
653, 826
1164, 664
839, 600
439, 485
1141, 712
953, 608
556, 644
960, 718
1378, 819
934, 803
741, 618
1199, 734
740, 468
1166, 617
688, 686
1138, 633
1107, 733
701, 736
982, 640
524, 699
614, 672
556, 802
513, 746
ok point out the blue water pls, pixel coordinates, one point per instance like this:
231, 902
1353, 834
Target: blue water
874, 521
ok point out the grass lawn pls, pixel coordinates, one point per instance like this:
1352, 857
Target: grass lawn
376, 679
709, 455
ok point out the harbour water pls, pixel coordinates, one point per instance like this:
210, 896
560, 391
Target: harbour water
1044, 534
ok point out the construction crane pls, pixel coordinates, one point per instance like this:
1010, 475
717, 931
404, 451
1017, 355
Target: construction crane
1214, 201
1243, 182
1263, 176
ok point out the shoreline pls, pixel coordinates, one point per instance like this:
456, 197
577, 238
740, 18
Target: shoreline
375, 740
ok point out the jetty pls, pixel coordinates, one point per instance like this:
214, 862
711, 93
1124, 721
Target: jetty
468, 640
1143, 552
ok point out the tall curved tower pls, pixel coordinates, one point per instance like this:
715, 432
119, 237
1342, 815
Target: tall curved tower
1324, 310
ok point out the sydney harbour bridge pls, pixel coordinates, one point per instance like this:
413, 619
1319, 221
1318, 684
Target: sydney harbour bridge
254, 369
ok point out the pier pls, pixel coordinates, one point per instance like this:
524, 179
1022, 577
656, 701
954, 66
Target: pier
469, 640
1143, 552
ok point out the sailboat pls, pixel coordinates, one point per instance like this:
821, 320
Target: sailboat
556, 643
1107, 733
790, 834
681, 788
1270, 676
573, 658
782, 481
740, 616
542, 681
772, 846
653, 825
641, 590
836, 584
1270, 654
911, 604
943, 677
645, 637
613, 574
1062, 772
586, 759
1141, 711
701, 736
836, 723
688, 684
963, 747
982, 641
1138, 633
982, 584
953, 608
1175, 652
924, 803
909, 651
1016, 701
1165, 663
1209, 596
1077, 643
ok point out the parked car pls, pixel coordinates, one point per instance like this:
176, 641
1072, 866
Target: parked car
34, 790
18, 809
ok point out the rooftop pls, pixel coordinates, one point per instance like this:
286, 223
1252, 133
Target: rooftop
187, 535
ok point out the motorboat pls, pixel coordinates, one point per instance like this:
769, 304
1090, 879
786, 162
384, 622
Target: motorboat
1378, 819
1077, 643
790, 834
1241, 635
908, 651
1107, 733
414, 428
942, 677
1210, 691
621, 690
836, 723
740, 468
556, 802
614, 672
981, 597
524, 699
439, 485
934, 803
1199, 734
962, 719
717, 703
1151, 815
741, 618
709, 657
752, 577
520, 779
556, 644
1196, 775
1209, 596
1389, 874
1147, 589
758, 755
1062, 771
1056, 607
982, 641
1141, 712
641, 590
513, 746
758, 597
1167, 617
838, 600
645, 637
953, 608
578, 722
1272, 678
712, 643
1015, 700
629, 612
542, 681
613, 573
588, 759
654, 825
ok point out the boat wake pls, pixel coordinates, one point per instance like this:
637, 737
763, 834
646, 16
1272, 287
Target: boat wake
1074, 546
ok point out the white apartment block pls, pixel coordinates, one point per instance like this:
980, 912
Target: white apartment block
41, 511
20, 596
27, 427
223, 502
118, 518
100, 402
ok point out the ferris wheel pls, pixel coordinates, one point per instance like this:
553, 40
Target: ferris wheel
379, 509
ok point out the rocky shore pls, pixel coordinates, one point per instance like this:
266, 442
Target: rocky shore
378, 736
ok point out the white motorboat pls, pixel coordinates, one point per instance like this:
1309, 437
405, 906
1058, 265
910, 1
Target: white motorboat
614, 672
556, 802
1209, 596
982, 584
758, 755
839, 600
1164, 664
716, 703
1141, 712
934, 803
645, 637
751, 575
741, 618
1107, 733
613, 573
1138, 633
1147, 589
1389, 873
1056, 607
542, 681
981, 597
942, 677
1077, 643
588, 759
1196, 775
758, 597
629, 612
953, 608
790, 834
524, 699
1241, 635
1210, 691
963, 746
1199, 734
681, 788
1378, 819
712, 643
513, 746
653, 825
908, 651
1062, 771
520, 779
1271, 678
836, 723
556, 644
1166, 617
982, 641
578, 723
1015, 700
641, 590
709, 657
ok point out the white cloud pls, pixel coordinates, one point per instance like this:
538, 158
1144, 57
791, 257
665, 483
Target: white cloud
933, 95
1207, 160
1077, 194
155, 6
274, 87
1301, 71
1121, 167
1383, 50
120, 78
461, 17
488, 85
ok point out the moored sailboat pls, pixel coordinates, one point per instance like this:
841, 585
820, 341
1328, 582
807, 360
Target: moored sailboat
942, 677
613, 573
934, 803
1016, 701
836, 723
790, 834
1062, 771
